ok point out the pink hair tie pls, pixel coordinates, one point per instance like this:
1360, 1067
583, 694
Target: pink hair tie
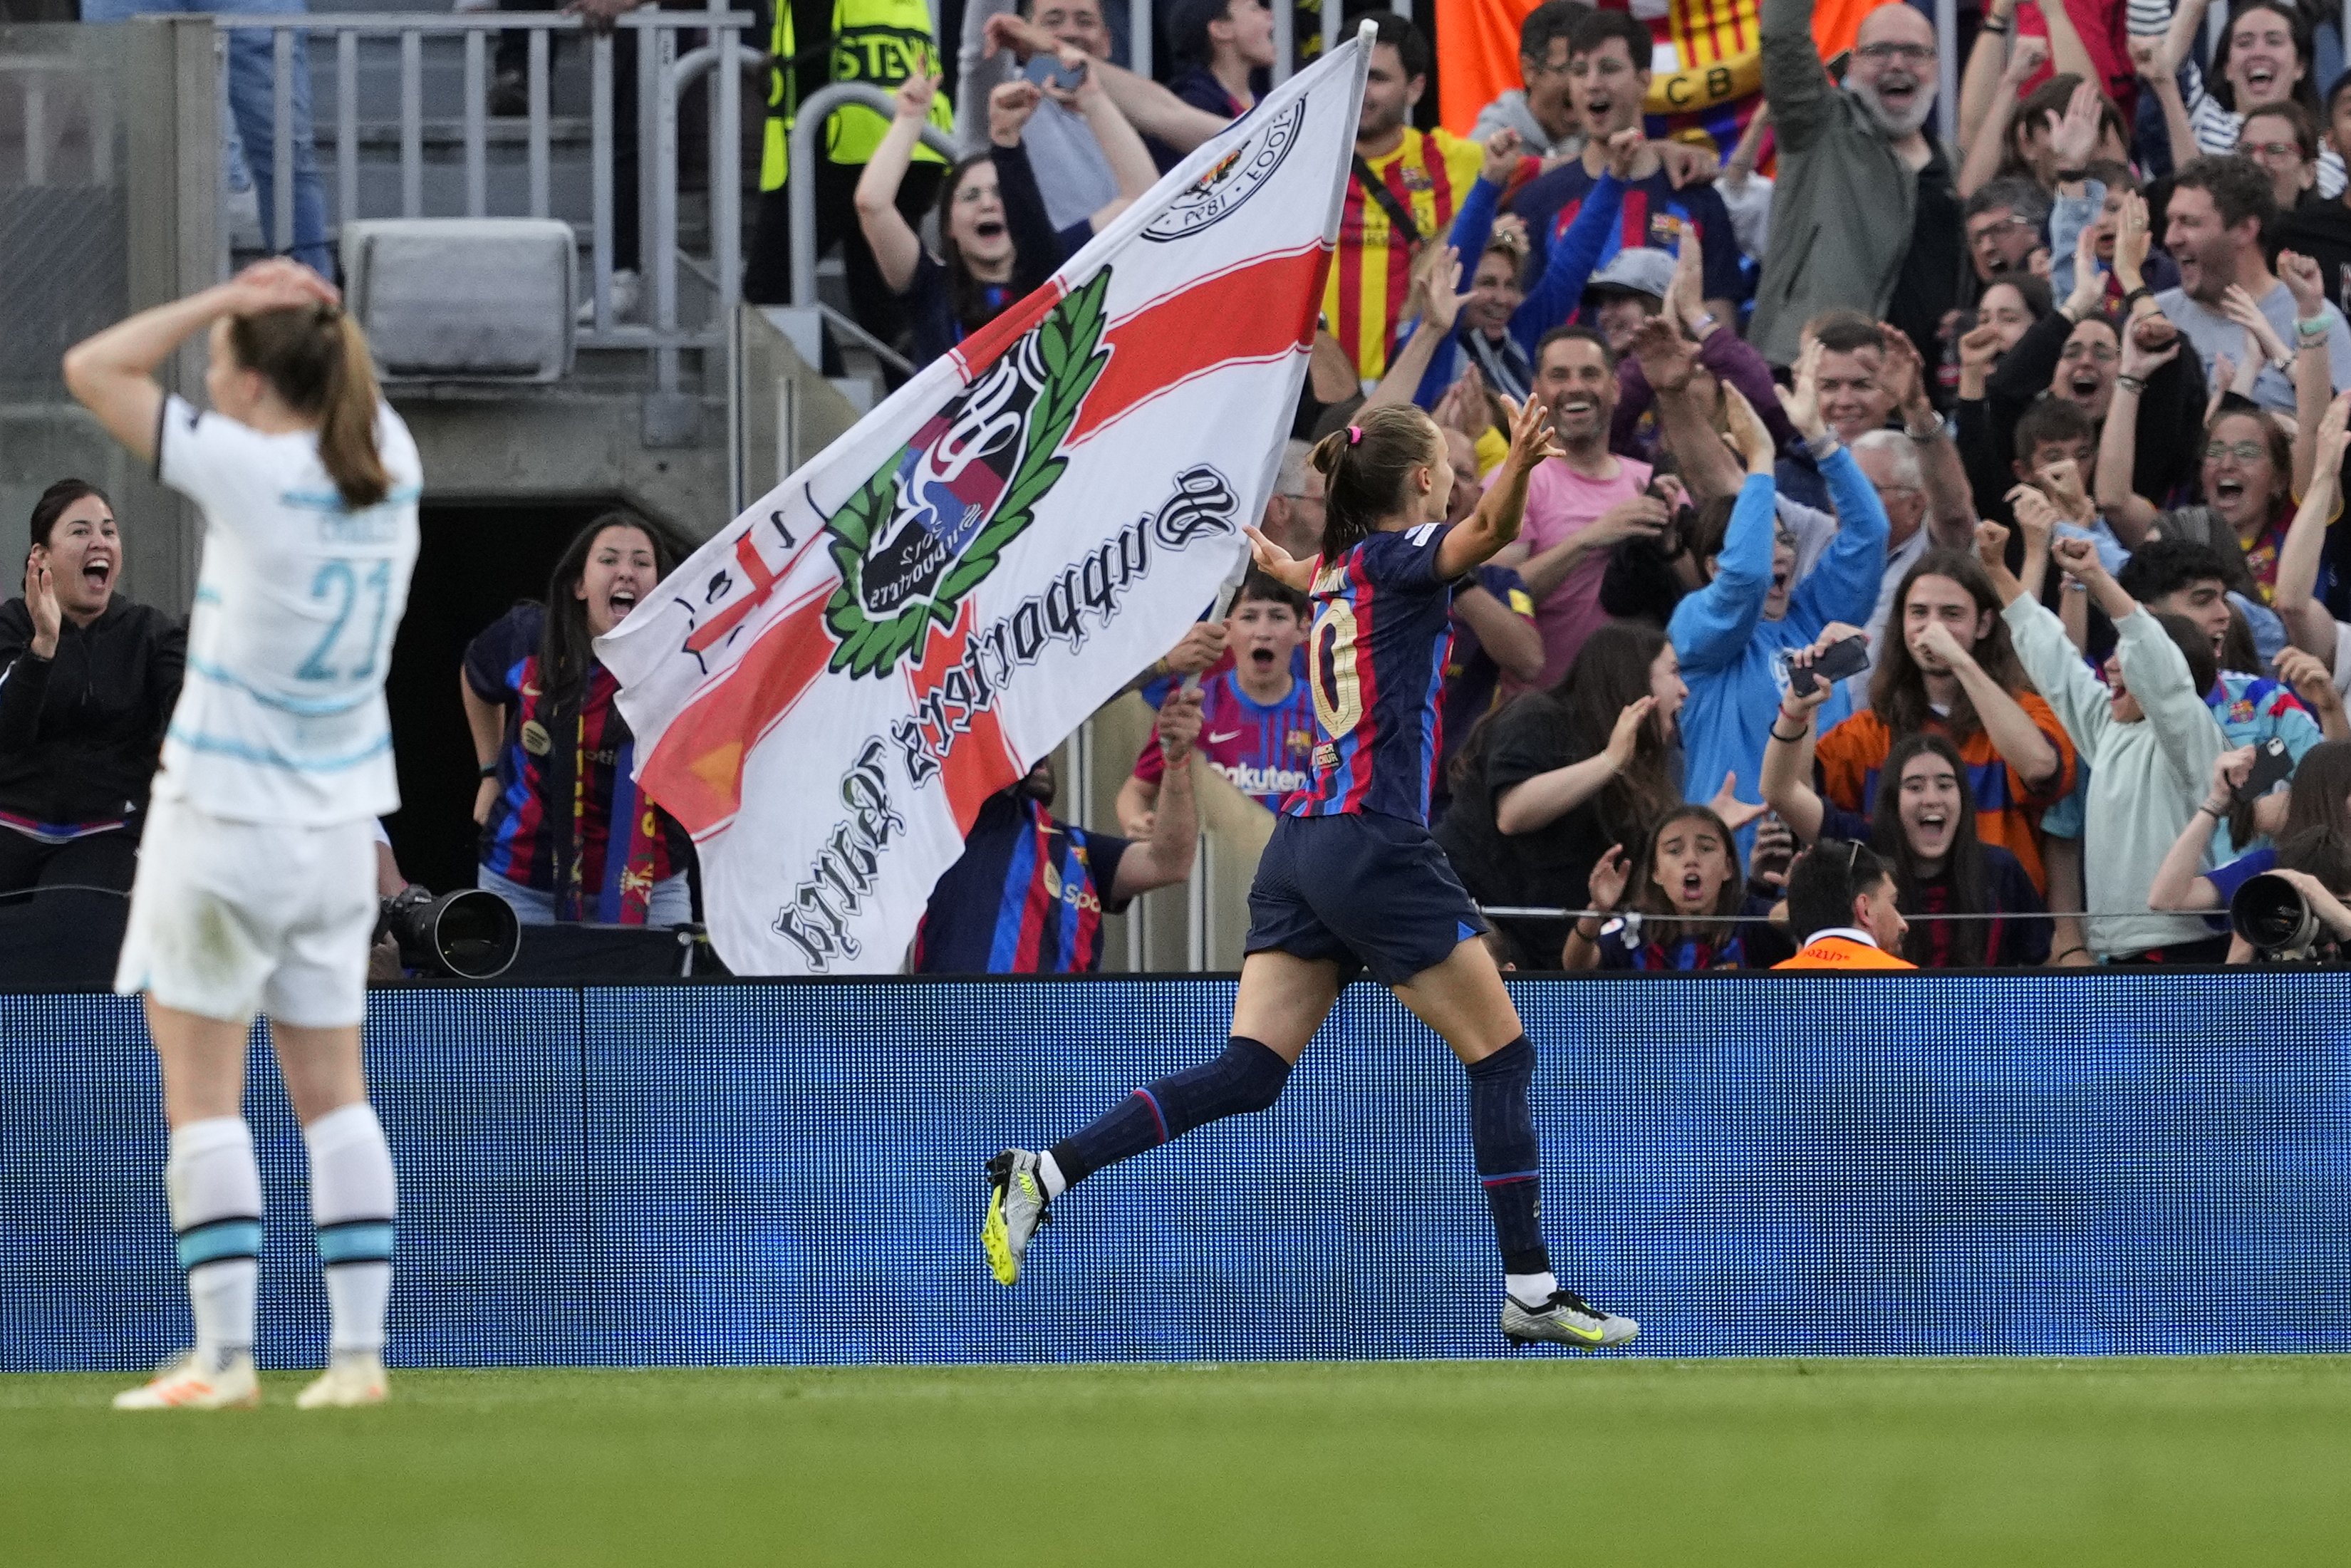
1354, 433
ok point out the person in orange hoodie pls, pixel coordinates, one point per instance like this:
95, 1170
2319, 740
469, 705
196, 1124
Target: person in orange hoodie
1842, 894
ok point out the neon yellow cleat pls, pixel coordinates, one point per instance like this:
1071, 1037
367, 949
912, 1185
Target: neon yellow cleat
1016, 1209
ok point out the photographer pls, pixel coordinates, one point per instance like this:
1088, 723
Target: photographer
86, 683
2318, 809
565, 835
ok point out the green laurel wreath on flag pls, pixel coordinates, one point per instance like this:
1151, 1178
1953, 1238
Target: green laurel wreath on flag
1069, 346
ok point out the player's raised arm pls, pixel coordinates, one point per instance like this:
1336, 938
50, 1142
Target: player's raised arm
113, 373
1496, 521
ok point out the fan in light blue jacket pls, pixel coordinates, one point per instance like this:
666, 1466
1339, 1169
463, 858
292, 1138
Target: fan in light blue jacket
1733, 637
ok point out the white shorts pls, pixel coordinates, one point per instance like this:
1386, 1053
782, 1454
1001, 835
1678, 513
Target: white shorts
229, 918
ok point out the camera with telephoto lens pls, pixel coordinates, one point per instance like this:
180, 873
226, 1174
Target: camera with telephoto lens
469, 935
2270, 913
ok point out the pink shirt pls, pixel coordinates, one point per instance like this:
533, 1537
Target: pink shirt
1561, 504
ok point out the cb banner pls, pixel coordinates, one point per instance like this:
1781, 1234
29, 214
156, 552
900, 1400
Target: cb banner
826, 693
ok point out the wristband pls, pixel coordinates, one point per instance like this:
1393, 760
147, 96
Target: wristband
2069, 953
1786, 739
489, 770
1590, 935
1933, 433
2316, 328
2130, 384
2207, 807
2136, 295
1997, 29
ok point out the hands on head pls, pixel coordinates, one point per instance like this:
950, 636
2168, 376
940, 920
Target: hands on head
278, 283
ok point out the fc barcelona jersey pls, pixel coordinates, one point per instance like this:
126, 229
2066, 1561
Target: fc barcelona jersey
1027, 897
1375, 669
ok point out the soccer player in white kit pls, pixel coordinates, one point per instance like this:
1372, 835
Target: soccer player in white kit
256, 889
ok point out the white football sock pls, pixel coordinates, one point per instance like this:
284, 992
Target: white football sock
1050, 1174
1531, 1290
353, 1201
212, 1186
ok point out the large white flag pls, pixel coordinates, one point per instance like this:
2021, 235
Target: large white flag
826, 693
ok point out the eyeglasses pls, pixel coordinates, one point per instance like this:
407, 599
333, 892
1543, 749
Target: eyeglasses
1999, 226
2272, 149
1886, 54
2243, 450
2097, 351
972, 196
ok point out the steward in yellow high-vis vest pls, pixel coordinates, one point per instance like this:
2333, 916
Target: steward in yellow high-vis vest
877, 42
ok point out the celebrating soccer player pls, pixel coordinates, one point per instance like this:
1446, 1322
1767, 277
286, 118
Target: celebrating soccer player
1352, 879
256, 889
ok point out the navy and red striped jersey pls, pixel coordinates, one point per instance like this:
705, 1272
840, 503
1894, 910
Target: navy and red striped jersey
1027, 897
1375, 668
502, 668
1656, 215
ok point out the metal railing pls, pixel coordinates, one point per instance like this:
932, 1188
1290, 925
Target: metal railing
663, 74
85, 103
800, 190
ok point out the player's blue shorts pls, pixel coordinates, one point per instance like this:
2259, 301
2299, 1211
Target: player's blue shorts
1365, 889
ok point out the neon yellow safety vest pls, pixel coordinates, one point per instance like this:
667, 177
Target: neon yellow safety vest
881, 42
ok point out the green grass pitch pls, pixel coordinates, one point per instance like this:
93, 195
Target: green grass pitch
1603, 1464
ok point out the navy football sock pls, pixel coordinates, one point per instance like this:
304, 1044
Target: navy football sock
1249, 1076
1509, 1160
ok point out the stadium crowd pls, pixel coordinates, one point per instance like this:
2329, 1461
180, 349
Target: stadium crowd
1971, 504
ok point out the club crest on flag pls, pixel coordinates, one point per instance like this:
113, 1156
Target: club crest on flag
929, 525
1232, 180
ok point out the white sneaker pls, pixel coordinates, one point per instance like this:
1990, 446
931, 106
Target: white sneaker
352, 1377
180, 1383
627, 294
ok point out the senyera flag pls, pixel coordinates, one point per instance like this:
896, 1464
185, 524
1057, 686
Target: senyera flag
826, 693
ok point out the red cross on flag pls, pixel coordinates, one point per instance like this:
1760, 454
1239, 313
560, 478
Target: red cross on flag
827, 691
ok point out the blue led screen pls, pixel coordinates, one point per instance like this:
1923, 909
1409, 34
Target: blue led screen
2048, 1165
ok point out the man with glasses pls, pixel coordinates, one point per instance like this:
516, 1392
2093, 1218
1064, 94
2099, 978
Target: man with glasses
1541, 112
1866, 212
2004, 224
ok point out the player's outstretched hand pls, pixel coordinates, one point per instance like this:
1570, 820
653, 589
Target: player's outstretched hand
1531, 439
1276, 562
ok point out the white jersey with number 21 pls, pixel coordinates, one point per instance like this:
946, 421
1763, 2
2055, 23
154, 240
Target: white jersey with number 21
282, 717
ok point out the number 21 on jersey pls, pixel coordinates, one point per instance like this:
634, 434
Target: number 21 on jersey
1331, 649
339, 583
